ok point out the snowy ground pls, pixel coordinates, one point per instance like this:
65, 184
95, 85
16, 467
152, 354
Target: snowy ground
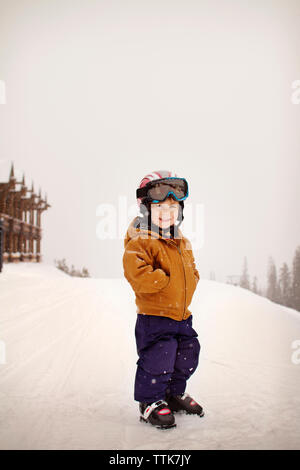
67, 375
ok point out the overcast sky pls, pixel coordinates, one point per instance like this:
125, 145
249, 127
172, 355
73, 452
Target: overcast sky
99, 93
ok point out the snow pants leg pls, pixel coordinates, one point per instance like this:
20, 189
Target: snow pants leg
168, 353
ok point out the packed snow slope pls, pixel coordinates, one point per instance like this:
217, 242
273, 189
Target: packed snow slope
68, 361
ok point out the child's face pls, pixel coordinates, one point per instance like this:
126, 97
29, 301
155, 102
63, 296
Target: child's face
165, 213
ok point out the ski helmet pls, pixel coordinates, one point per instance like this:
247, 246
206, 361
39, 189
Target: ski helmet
145, 203
155, 175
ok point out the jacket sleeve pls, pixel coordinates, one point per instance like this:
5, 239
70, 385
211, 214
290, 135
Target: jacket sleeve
189, 247
138, 269
196, 272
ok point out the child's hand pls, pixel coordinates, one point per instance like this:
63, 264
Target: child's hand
138, 269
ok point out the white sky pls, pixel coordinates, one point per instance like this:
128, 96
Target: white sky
99, 93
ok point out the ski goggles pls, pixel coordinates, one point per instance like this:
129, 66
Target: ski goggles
159, 190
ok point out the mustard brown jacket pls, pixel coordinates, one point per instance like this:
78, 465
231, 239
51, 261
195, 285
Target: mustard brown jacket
161, 271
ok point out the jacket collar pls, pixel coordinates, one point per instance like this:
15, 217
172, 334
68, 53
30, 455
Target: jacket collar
134, 231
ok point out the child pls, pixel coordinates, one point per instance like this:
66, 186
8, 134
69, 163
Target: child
159, 264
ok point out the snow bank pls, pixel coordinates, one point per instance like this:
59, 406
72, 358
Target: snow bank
69, 360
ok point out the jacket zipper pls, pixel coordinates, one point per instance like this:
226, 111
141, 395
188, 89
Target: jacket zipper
178, 248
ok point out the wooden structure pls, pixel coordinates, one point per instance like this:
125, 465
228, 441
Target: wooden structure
20, 220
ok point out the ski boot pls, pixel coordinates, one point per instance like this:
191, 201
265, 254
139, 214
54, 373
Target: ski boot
184, 403
158, 414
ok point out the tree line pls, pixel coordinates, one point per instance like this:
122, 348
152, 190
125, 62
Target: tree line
283, 285
62, 265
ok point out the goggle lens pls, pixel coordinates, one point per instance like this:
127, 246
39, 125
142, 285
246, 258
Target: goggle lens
160, 190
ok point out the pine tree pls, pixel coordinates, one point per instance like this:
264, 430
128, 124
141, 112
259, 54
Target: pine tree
61, 264
272, 289
285, 285
85, 272
260, 292
73, 271
254, 285
244, 281
296, 280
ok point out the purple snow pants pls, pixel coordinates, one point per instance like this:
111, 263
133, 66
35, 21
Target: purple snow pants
168, 353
